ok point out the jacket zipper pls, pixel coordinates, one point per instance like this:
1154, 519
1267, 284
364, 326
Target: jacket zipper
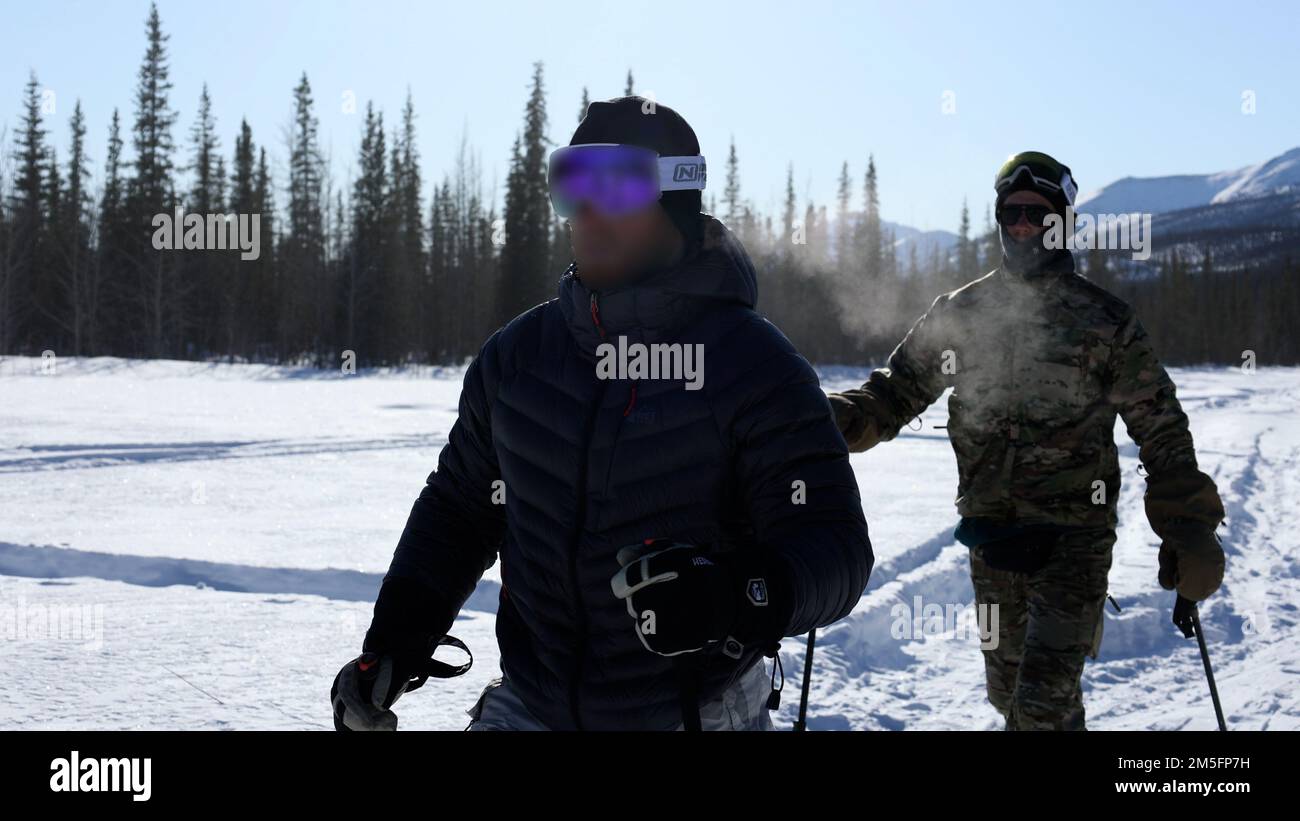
595, 316
580, 646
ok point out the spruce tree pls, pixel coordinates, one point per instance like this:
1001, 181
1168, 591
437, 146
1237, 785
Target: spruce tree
25, 224
525, 257
303, 288
364, 279
79, 276
49, 297
967, 250
151, 185
843, 228
870, 239
240, 302
403, 295
789, 212
115, 235
731, 189
155, 291
266, 272
202, 168
990, 244
202, 270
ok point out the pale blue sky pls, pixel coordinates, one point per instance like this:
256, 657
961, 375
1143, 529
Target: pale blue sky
1113, 89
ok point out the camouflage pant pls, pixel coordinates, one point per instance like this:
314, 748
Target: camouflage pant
1048, 620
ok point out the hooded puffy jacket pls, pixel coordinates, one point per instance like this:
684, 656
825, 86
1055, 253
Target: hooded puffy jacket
749, 461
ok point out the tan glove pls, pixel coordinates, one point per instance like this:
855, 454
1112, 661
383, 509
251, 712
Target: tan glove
1183, 496
859, 429
1191, 560
1184, 509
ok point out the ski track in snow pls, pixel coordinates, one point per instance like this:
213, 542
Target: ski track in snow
198, 546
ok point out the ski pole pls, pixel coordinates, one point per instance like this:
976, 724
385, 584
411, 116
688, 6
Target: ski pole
1209, 672
1189, 621
801, 724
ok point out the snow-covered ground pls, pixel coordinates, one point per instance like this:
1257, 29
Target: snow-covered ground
190, 545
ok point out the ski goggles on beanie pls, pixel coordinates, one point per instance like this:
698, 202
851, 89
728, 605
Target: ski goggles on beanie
1034, 169
617, 179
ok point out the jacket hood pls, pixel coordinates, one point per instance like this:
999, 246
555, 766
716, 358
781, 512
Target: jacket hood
715, 272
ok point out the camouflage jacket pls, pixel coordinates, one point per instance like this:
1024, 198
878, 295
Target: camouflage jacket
1039, 369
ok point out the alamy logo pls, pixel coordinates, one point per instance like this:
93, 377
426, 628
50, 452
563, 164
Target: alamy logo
1104, 232
208, 232
921, 620
77, 774
655, 361
81, 624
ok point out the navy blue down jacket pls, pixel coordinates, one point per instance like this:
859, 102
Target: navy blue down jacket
750, 461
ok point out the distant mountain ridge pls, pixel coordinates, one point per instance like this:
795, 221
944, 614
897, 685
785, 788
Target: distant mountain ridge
905, 235
1158, 195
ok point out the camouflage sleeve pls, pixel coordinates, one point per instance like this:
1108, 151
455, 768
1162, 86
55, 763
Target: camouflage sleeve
893, 395
1142, 392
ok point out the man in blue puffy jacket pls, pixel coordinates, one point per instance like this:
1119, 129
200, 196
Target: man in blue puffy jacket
652, 461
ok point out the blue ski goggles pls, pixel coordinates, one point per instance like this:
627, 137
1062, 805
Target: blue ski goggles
616, 180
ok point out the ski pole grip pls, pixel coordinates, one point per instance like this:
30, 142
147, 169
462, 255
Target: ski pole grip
441, 669
1184, 616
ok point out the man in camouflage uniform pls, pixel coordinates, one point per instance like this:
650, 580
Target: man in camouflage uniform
1040, 362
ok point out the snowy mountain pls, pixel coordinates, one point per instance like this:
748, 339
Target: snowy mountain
1158, 195
1250, 216
1279, 175
925, 242
906, 235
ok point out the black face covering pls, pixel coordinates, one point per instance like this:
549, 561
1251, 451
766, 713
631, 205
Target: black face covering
1028, 258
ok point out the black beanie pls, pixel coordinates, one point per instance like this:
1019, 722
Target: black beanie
648, 124
1025, 182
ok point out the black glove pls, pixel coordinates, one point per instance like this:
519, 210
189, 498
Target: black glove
366, 688
409, 624
684, 598
1191, 560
